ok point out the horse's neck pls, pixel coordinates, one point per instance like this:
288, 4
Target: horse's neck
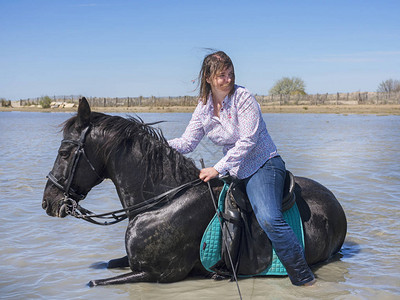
134, 185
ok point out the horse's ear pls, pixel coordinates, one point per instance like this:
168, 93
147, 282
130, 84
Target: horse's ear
83, 119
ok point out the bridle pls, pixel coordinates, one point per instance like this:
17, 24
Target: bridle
71, 197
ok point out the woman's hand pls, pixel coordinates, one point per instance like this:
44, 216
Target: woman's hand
207, 174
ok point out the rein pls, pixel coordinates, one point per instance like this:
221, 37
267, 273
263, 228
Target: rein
116, 216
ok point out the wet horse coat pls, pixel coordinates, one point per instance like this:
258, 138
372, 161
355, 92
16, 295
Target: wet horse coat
162, 244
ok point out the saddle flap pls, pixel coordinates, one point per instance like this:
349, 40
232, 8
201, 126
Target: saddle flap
289, 196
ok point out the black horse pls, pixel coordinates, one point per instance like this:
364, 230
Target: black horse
162, 242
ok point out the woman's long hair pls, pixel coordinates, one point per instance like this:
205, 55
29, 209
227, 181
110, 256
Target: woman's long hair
212, 64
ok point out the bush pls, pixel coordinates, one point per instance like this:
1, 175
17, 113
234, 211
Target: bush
45, 102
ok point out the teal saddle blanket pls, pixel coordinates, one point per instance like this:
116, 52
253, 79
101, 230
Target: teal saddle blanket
211, 243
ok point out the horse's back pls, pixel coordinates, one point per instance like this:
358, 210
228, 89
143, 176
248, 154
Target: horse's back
323, 217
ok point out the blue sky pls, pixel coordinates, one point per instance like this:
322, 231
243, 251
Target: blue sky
154, 48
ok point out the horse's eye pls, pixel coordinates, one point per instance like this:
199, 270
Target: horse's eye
63, 154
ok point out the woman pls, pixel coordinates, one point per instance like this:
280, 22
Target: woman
231, 117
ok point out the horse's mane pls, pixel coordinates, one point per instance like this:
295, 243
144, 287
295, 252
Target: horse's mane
122, 134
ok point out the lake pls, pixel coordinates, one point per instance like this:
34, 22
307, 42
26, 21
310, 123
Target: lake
355, 156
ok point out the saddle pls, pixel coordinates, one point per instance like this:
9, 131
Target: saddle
248, 245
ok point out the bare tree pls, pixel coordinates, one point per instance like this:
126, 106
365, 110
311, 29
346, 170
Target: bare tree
389, 86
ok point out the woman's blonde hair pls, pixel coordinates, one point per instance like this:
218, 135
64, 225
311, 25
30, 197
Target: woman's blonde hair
212, 64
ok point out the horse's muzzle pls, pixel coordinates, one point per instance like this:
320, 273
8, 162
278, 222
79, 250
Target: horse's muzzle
63, 211
52, 210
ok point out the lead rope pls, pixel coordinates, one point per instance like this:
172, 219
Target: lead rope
223, 238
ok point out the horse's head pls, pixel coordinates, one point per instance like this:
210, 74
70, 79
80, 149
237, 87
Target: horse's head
76, 169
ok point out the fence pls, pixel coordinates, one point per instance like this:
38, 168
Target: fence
113, 102
331, 99
316, 99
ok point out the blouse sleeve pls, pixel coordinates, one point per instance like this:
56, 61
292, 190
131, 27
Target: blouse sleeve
249, 117
192, 136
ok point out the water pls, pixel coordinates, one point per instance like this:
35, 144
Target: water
356, 156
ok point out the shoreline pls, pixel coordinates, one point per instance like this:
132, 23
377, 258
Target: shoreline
382, 109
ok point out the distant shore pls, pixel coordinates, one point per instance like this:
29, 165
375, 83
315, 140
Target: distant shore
382, 109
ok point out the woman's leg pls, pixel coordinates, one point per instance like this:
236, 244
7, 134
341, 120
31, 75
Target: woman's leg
265, 191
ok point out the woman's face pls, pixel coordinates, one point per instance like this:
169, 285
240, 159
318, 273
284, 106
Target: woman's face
222, 81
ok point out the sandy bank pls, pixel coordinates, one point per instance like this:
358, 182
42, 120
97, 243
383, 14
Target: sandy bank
389, 109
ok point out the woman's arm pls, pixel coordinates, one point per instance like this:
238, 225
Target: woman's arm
192, 136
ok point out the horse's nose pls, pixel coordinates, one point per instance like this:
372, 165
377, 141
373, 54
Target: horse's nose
44, 204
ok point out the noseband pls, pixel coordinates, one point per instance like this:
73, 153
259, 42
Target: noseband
70, 195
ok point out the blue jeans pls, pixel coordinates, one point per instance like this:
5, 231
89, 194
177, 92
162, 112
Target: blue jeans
265, 191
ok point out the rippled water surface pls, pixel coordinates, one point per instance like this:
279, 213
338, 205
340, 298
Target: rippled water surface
356, 156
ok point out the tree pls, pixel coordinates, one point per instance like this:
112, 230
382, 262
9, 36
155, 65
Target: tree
45, 102
288, 86
5, 103
389, 86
